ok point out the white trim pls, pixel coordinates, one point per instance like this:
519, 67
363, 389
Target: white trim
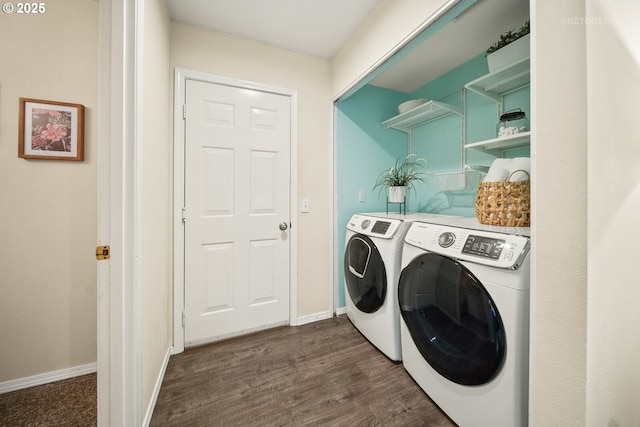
180, 78
533, 289
48, 377
136, 179
293, 208
331, 244
156, 388
340, 311
310, 318
178, 202
104, 227
119, 337
336, 266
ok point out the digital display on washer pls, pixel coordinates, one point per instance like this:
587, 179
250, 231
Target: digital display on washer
380, 227
483, 246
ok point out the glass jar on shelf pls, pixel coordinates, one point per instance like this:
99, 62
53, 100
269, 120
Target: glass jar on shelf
512, 122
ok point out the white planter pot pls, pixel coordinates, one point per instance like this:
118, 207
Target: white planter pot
510, 54
397, 194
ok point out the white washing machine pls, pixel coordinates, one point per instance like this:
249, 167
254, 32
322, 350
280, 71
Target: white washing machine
464, 304
372, 260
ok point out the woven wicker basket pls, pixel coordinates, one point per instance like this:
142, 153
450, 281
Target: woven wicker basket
505, 203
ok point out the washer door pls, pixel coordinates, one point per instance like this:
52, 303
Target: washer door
452, 319
365, 274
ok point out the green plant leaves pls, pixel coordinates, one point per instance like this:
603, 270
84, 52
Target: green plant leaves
510, 37
405, 173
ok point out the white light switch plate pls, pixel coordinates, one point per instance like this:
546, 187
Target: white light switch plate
304, 206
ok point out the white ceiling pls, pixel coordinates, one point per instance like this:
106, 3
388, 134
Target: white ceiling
321, 27
314, 27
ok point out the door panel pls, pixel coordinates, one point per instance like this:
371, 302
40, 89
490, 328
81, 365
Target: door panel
218, 190
263, 257
264, 174
237, 192
219, 276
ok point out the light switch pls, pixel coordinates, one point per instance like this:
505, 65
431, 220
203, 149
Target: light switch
362, 196
304, 206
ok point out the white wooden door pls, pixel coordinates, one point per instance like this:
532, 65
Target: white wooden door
237, 199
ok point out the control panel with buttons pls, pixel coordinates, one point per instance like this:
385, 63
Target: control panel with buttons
384, 228
498, 250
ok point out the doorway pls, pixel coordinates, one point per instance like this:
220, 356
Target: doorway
234, 204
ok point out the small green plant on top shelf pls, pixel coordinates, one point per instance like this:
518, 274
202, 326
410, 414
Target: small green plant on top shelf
509, 37
405, 173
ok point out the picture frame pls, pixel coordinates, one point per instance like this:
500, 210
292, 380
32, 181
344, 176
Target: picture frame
50, 130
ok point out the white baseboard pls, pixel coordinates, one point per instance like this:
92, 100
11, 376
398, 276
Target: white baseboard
48, 377
313, 318
341, 310
156, 389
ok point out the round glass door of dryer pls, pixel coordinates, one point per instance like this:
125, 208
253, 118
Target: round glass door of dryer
452, 319
365, 274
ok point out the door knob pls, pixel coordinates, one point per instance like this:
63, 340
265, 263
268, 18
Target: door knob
283, 226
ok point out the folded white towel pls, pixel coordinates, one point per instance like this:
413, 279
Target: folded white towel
519, 175
501, 168
498, 171
496, 174
520, 164
502, 163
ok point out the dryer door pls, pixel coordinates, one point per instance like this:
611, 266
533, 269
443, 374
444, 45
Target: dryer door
365, 274
452, 319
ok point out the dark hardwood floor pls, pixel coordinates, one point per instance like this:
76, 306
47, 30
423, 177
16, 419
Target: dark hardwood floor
320, 374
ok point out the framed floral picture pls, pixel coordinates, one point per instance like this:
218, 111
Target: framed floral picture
50, 130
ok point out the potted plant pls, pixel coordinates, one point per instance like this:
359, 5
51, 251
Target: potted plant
404, 174
507, 51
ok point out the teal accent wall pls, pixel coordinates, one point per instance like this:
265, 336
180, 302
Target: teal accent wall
482, 117
440, 142
363, 149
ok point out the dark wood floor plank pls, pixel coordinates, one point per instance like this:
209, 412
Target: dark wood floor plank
320, 374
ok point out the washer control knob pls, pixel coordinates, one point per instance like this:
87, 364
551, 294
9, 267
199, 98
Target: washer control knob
446, 239
365, 224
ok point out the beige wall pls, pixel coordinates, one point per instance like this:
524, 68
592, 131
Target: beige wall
156, 201
559, 220
48, 215
586, 73
221, 54
613, 87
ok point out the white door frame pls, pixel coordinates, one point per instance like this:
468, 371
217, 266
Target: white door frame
180, 78
119, 304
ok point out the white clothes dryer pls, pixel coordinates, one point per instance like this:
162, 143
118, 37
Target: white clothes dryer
464, 303
372, 258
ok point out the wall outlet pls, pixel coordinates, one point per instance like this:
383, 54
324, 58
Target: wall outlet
362, 196
304, 206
